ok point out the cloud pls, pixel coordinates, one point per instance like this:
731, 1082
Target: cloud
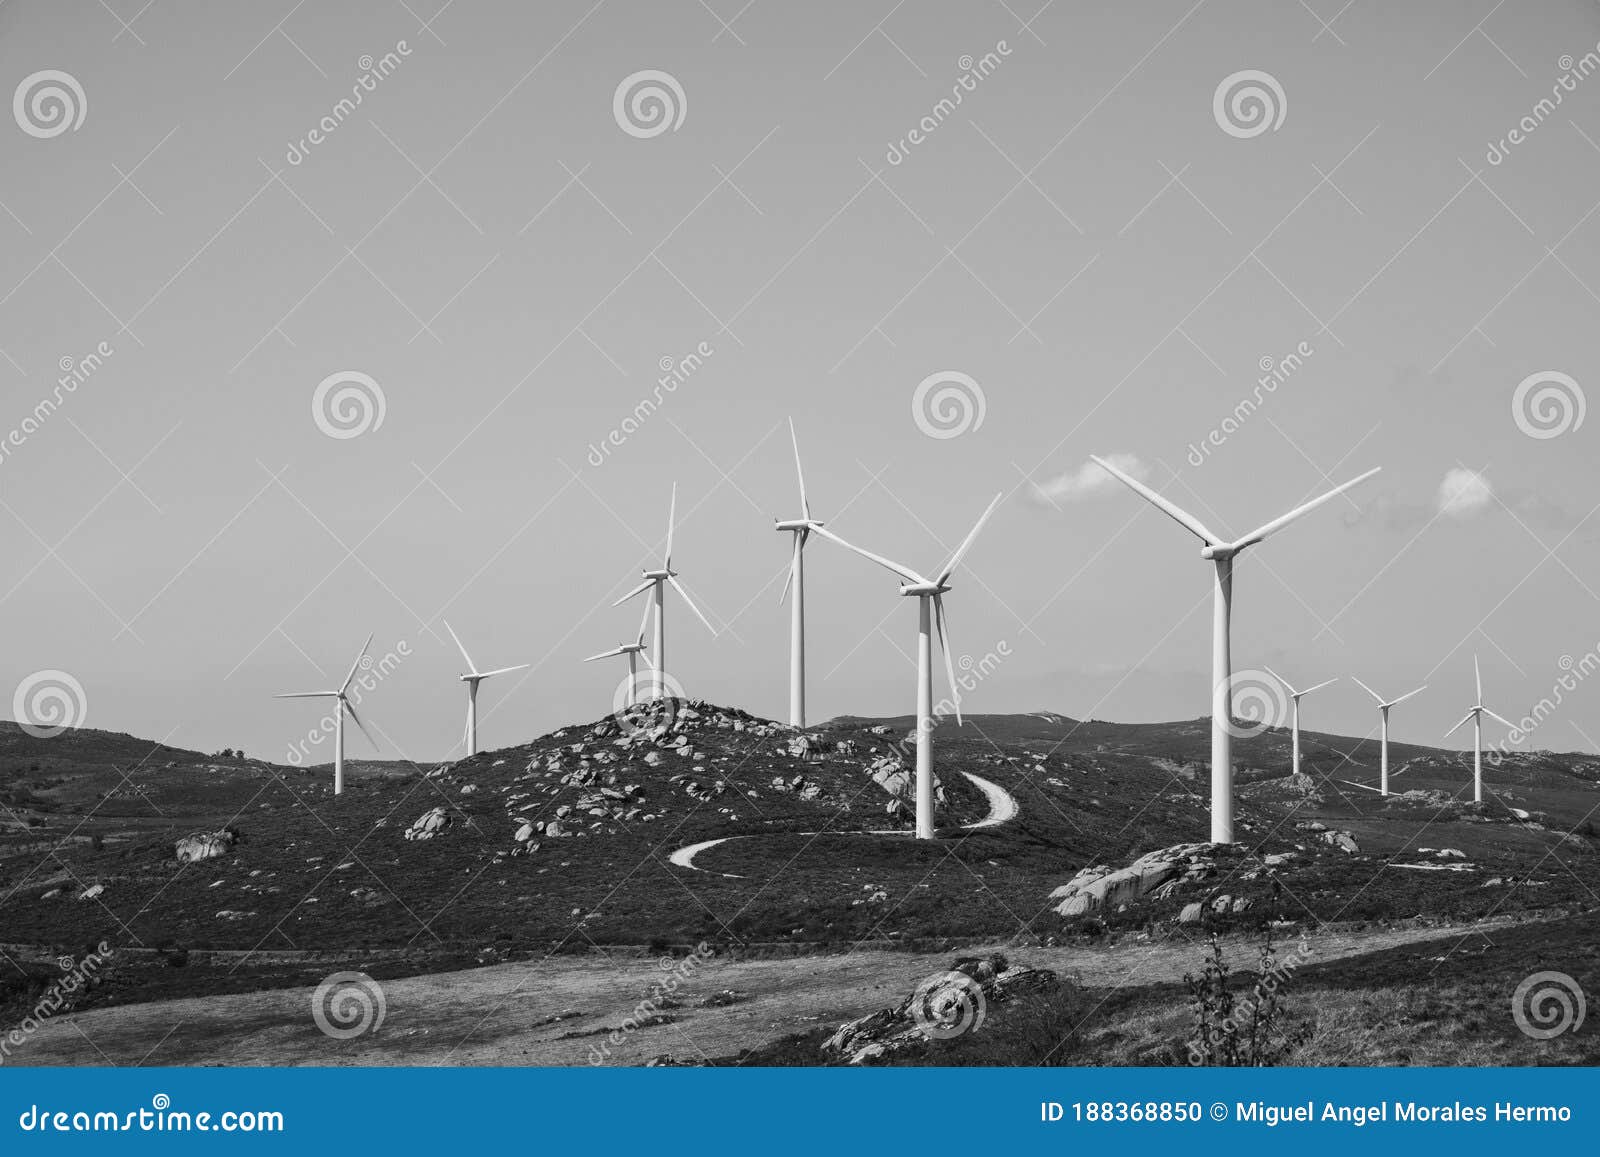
1086, 481
1464, 493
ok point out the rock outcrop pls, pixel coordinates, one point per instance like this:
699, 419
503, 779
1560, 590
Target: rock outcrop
941, 1007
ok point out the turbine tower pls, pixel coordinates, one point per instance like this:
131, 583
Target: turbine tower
1383, 708
656, 581
800, 528
633, 650
1221, 552
1476, 714
929, 594
342, 706
1295, 711
472, 678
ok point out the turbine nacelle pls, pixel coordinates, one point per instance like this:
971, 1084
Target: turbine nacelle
924, 589
657, 576
1222, 553
795, 525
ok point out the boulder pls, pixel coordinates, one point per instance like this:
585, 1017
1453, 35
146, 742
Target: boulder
429, 824
205, 845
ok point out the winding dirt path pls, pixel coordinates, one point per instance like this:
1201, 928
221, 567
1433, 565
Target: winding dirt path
1002, 809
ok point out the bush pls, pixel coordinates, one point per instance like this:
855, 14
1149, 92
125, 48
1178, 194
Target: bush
1240, 1033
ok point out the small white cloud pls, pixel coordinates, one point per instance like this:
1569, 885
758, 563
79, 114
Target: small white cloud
1464, 493
1088, 480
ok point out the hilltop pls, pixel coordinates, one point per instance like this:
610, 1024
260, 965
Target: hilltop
567, 843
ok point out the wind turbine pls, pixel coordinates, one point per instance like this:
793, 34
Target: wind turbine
800, 528
343, 705
1295, 713
633, 650
1383, 708
1222, 552
472, 678
656, 582
929, 594
1476, 714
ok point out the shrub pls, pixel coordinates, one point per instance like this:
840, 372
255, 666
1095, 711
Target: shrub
1230, 1032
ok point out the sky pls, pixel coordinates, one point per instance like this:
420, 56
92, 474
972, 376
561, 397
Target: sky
495, 256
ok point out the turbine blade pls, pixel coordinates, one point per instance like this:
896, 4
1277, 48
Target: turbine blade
788, 581
1409, 694
1478, 676
638, 590
1320, 685
1284, 520
345, 686
1282, 680
471, 666
944, 648
348, 707
805, 506
678, 586
648, 661
604, 654
305, 694
644, 621
1374, 694
672, 520
904, 572
505, 670
966, 544
1183, 517
1457, 727
1501, 718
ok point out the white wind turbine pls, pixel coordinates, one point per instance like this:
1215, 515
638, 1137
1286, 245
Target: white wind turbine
930, 598
342, 706
1383, 708
472, 678
656, 581
1476, 714
1222, 552
800, 528
633, 650
1295, 710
